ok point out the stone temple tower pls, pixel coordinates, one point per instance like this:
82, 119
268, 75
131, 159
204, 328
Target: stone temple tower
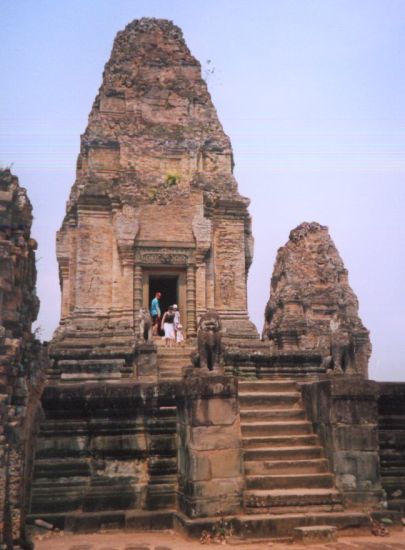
155, 205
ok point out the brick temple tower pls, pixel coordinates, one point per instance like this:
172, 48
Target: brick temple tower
155, 205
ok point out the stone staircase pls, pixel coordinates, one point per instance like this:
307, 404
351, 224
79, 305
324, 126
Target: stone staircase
284, 463
172, 360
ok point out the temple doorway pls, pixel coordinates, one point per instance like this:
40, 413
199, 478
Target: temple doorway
168, 286
171, 282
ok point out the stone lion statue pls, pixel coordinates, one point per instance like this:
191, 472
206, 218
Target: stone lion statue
145, 326
209, 340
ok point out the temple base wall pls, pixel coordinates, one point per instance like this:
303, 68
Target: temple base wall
345, 415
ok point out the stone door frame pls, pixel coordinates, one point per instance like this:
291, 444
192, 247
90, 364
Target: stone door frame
181, 275
161, 260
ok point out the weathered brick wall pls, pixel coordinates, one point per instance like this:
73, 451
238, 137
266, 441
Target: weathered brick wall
22, 357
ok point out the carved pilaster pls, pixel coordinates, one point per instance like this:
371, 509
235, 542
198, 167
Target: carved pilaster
201, 291
210, 282
191, 302
137, 295
126, 228
65, 286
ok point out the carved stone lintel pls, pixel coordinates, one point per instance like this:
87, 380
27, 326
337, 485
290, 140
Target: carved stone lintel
164, 256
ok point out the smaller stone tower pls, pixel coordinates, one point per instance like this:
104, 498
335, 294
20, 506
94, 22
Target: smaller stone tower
312, 309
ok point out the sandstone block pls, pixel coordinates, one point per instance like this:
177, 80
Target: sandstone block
199, 467
212, 507
363, 438
360, 469
214, 412
352, 411
207, 438
217, 488
226, 463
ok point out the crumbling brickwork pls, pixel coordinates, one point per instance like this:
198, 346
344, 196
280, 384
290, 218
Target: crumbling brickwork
21, 356
312, 309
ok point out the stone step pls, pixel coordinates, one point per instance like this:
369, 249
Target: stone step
266, 400
172, 368
252, 415
276, 428
290, 481
286, 466
89, 376
272, 371
277, 386
392, 438
270, 499
297, 509
394, 422
167, 377
173, 363
391, 454
315, 534
177, 371
279, 441
170, 353
270, 528
173, 353
397, 504
299, 452
392, 471
391, 481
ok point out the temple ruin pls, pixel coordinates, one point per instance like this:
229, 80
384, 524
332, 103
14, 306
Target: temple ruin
155, 205
312, 309
278, 434
22, 358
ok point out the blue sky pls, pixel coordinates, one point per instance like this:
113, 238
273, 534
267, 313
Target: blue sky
311, 93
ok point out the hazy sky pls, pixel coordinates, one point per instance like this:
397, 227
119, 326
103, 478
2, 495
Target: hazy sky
311, 93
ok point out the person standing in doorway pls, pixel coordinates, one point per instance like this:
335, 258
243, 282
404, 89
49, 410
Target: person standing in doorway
155, 312
168, 326
176, 317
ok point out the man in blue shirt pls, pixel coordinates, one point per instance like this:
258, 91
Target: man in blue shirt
155, 312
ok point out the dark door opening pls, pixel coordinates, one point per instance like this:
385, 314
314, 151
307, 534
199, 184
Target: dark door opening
167, 285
